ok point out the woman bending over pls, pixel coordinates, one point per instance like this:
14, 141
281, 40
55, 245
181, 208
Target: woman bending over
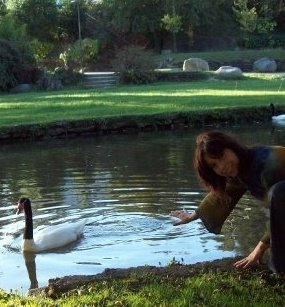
228, 169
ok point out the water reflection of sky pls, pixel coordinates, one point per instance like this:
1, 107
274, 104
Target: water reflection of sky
125, 186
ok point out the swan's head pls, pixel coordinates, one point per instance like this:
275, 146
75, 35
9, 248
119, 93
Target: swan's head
24, 201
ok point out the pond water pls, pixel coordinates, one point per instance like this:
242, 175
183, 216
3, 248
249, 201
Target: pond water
125, 185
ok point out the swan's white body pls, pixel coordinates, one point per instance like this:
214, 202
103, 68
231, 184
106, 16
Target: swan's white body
54, 236
49, 237
277, 119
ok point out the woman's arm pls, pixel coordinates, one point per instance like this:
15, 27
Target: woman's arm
254, 257
184, 216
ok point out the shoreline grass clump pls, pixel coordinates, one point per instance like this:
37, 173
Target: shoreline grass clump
205, 289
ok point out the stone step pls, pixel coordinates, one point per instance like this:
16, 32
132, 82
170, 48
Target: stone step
99, 79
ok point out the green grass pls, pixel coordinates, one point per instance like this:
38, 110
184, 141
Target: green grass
209, 289
228, 56
158, 98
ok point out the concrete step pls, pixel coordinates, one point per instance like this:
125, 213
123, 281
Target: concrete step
99, 79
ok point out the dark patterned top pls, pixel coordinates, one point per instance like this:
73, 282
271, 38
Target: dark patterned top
267, 167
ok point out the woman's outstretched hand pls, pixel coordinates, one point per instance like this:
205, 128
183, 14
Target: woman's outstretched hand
254, 257
184, 216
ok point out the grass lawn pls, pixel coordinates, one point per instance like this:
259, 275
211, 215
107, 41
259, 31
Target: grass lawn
228, 55
157, 98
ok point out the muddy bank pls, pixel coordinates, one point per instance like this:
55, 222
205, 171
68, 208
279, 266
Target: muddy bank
129, 124
59, 286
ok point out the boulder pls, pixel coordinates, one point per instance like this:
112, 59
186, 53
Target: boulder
195, 64
49, 83
22, 88
228, 72
166, 63
265, 65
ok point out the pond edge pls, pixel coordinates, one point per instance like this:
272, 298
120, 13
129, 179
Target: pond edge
136, 123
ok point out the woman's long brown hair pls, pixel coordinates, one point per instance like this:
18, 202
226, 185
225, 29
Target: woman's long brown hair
213, 144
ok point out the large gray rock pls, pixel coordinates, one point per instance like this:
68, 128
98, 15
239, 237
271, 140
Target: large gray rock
265, 65
22, 88
228, 72
166, 63
195, 64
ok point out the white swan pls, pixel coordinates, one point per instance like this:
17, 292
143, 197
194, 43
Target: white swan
277, 119
51, 236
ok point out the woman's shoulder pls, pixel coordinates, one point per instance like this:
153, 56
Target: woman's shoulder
273, 169
269, 157
261, 152
266, 150
262, 155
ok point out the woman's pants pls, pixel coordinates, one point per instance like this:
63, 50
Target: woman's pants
277, 227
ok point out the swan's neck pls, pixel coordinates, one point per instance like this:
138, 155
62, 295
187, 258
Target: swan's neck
28, 231
28, 245
272, 110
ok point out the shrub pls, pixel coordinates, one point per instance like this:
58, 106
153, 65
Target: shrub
80, 54
41, 49
16, 59
9, 60
67, 76
134, 65
17, 65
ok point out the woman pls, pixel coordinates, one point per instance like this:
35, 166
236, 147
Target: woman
228, 169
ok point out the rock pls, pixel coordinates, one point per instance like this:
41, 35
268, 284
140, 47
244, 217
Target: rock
22, 88
228, 72
166, 63
195, 64
265, 65
166, 51
49, 83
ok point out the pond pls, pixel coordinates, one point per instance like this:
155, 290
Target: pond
125, 185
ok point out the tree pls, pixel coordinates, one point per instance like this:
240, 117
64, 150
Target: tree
12, 31
254, 20
3, 8
71, 16
39, 16
132, 18
173, 24
278, 9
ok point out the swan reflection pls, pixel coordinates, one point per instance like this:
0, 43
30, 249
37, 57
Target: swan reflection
30, 262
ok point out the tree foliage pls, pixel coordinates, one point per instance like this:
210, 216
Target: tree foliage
10, 30
3, 8
256, 20
71, 16
40, 17
172, 23
181, 25
123, 22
